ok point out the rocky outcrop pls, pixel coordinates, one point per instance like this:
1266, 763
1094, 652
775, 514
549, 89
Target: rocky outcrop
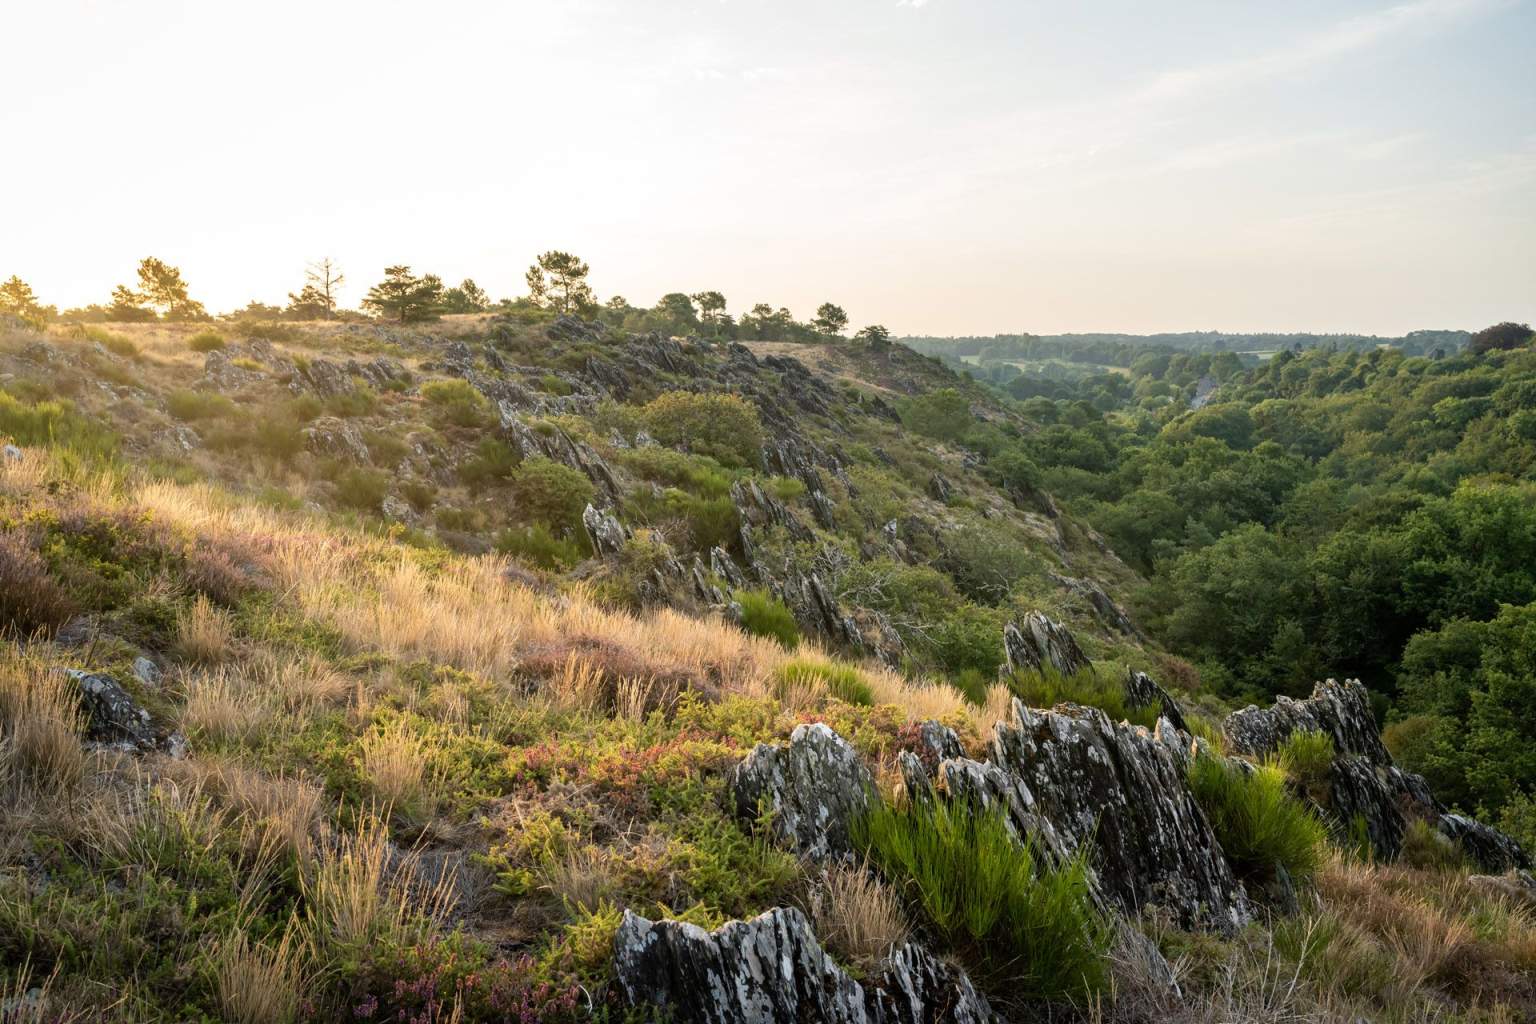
1141, 690
812, 787
1342, 710
337, 439
771, 970
1037, 641
558, 446
326, 378
1365, 788
1104, 607
1120, 791
115, 720
758, 509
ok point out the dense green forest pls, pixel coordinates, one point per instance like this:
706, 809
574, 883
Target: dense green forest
1369, 514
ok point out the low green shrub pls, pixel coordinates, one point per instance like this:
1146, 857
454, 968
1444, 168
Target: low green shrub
536, 545
1048, 687
696, 474
722, 426
348, 404
206, 341
419, 493
1426, 849
362, 488
456, 403
1259, 823
197, 405
117, 344
494, 462
1021, 926
762, 614
54, 423
841, 681
545, 491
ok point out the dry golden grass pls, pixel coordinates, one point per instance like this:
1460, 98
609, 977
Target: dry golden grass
228, 705
467, 613
396, 763
857, 915
284, 811
582, 878
40, 725
258, 983
363, 892
204, 633
306, 684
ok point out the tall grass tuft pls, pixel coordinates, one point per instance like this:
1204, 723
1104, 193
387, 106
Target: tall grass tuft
844, 682
1023, 926
1259, 823
1306, 758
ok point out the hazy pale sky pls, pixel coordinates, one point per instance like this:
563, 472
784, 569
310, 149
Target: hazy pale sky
941, 166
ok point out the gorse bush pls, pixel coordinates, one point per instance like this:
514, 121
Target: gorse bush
361, 488
1048, 687
1028, 929
724, 427
841, 681
54, 423
1261, 826
762, 614
206, 341
536, 545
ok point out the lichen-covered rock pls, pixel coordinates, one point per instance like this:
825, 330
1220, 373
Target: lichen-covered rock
607, 534
114, 719
1489, 849
771, 970
1121, 792
1141, 690
757, 508
558, 446
1342, 710
1104, 607
812, 787
1037, 641
326, 378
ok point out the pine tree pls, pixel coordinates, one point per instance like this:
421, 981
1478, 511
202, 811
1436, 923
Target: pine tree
404, 297
558, 281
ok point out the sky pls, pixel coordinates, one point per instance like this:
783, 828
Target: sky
938, 166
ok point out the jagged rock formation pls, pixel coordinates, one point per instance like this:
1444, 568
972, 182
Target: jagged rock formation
813, 787
1342, 710
1104, 607
558, 446
1141, 690
1364, 784
1120, 791
771, 970
1037, 641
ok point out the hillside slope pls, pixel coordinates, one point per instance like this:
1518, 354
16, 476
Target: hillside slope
486, 671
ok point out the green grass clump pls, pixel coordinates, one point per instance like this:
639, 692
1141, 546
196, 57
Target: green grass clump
54, 423
206, 341
1048, 687
1306, 758
1020, 925
762, 614
197, 405
1259, 823
841, 681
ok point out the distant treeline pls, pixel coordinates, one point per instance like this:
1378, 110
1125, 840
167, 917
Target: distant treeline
1123, 349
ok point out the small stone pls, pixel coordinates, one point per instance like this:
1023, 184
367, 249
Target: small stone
146, 672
